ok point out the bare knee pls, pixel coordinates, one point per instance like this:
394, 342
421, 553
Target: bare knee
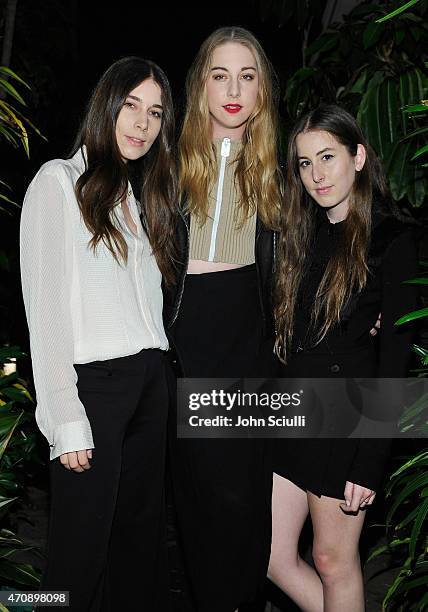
333, 564
281, 563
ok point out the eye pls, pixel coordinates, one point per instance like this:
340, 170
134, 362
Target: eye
157, 114
129, 104
327, 156
304, 163
219, 77
248, 77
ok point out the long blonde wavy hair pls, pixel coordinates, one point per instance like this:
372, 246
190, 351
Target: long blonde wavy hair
257, 171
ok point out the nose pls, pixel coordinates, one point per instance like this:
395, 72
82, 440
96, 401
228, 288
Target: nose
142, 122
317, 174
233, 90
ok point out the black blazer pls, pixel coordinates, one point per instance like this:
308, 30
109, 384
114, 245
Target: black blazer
392, 258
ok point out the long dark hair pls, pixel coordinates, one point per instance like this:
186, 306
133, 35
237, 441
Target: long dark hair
347, 270
106, 176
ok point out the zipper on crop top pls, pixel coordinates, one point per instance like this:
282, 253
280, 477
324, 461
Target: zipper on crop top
225, 152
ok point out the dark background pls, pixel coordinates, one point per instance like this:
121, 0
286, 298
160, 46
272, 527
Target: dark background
61, 48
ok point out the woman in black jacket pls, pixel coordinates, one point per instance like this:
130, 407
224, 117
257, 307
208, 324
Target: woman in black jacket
342, 259
220, 317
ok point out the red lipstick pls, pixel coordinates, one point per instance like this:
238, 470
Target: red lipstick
232, 108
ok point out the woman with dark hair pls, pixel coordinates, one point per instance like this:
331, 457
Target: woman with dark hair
343, 255
91, 278
220, 316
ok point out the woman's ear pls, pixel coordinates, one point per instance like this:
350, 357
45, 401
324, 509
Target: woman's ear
360, 157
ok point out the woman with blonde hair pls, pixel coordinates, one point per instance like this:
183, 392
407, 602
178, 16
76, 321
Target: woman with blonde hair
220, 317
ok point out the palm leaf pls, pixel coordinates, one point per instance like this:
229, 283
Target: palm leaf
401, 9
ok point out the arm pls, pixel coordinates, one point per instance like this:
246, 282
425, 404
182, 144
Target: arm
46, 259
399, 264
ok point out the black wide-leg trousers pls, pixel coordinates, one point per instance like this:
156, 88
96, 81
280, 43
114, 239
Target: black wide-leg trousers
106, 542
223, 487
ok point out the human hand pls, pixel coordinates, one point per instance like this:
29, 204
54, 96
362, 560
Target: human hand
356, 497
374, 329
78, 461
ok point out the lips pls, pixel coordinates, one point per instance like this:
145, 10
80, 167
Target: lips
136, 142
324, 190
232, 108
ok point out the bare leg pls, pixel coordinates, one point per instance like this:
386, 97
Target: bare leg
336, 555
286, 568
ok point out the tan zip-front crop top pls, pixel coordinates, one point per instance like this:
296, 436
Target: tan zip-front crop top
222, 237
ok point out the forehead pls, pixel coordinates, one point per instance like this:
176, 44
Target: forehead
148, 91
313, 141
233, 54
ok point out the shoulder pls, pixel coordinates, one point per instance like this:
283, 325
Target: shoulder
390, 232
52, 190
60, 172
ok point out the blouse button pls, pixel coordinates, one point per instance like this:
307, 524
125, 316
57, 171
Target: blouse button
335, 368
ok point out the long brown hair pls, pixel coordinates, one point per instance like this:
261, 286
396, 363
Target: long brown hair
257, 171
106, 176
347, 270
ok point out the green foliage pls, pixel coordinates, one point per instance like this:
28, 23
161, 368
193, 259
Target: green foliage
17, 450
398, 11
374, 68
406, 523
12, 121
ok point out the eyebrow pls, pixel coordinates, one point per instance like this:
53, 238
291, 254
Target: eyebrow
140, 100
319, 152
226, 70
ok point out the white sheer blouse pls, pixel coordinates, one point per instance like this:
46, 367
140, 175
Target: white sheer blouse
80, 306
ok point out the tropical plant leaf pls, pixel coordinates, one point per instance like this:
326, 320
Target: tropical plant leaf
417, 132
369, 111
422, 352
423, 280
7, 71
419, 460
412, 584
371, 34
412, 316
415, 483
393, 588
420, 152
10, 352
5, 442
5, 501
401, 9
398, 169
325, 42
413, 411
422, 513
384, 548
19, 573
10, 89
415, 108
407, 519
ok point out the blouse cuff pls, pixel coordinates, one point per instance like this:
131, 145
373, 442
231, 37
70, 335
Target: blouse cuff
70, 437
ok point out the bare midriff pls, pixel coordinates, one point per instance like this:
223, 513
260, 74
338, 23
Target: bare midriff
198, 266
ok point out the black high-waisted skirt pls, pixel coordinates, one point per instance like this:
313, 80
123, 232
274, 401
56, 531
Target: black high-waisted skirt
223, 487
322, 465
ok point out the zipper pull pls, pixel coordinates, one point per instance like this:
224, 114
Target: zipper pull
225, 147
